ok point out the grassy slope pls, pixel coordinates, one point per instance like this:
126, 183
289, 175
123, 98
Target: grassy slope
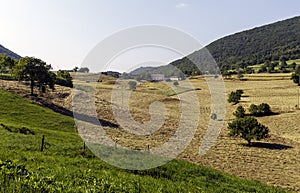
66, 167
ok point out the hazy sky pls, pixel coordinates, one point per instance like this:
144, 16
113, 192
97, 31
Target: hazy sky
63, 32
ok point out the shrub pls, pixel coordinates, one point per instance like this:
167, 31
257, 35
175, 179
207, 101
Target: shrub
240, 92
248, 128
261, 110
132, 85
264, 109
240, 112
176, 83
235, 97
253, 109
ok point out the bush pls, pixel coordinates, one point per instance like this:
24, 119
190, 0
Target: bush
248, 128
64, 78
240, 112
235, 97
264, 109
176, 83
253, 109
132, 85
240, 92
261, 110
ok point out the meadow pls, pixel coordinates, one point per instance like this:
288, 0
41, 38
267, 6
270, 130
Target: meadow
66, 165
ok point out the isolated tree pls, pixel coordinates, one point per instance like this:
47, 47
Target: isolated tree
235, 97
240, 112
248, 128
296, 78
176, 83
35, 71
132, 85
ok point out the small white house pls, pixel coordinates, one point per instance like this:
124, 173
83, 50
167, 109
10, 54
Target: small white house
174, 78
157, 77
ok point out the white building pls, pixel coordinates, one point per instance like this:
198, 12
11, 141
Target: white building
174, 78
157, 77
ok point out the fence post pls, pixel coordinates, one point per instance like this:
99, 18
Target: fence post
43, 143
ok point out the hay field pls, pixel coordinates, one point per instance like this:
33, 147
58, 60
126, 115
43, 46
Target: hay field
276, 161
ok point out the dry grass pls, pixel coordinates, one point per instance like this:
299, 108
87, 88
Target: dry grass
276, 161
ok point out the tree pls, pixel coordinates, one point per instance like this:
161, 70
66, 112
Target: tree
283, 63
226, 74
296, 75
64, 78
235, 97
36, 71
240, 76
253, 109
263, 68
297, 69
84, 69
260, 110
240, 92
132, 85
293, 65
248, 128
75, 69
264, 109
6, 62
295, 78
176, 83
249, 70
240, 112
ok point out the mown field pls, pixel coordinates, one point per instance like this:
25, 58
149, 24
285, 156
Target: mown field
66, 166
274, 161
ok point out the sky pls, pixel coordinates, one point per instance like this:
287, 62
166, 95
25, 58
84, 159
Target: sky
63, 32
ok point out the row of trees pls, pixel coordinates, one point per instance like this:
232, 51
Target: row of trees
35, 71
263, 109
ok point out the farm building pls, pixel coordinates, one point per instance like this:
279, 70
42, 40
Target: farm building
157, 77
174, 78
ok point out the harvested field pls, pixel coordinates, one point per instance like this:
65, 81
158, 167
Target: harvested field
275, 161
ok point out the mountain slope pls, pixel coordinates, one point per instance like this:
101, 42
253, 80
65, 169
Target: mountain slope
11, 54
269, 42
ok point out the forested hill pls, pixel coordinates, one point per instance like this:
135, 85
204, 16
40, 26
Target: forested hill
11, 54
269, 42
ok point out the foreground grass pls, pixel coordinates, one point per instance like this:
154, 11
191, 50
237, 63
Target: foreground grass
65, 166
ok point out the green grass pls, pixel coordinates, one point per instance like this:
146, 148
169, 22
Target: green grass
64, 166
